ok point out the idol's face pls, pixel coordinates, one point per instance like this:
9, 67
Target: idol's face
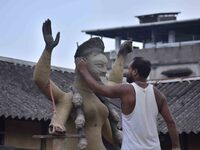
97, 65
129, 76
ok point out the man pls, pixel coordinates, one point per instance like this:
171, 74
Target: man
141, 103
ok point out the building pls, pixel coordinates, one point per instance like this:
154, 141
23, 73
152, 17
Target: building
173, 46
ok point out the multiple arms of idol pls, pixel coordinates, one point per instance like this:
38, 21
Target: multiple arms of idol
42, 79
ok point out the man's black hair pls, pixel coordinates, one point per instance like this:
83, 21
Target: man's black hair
142, 65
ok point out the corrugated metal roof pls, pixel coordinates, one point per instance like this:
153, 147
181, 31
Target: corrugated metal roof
20, 98
183, 96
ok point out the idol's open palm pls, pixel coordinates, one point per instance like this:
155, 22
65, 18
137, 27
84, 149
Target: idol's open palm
47, 34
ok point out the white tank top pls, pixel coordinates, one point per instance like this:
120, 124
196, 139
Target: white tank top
140, 126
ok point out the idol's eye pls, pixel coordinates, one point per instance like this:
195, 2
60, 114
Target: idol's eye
100, 65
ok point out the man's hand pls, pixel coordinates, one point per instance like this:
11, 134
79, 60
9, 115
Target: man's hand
125, 48
48, 38
81, 64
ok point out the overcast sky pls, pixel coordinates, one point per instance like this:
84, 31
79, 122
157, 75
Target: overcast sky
21, 23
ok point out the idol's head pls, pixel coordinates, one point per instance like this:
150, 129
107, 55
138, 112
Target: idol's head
93, 51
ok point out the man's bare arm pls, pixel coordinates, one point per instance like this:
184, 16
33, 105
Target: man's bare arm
105, 90
167, 116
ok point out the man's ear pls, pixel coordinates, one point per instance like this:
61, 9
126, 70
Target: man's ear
134, 72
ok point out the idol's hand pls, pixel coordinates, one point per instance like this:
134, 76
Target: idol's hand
125, 48
48, 38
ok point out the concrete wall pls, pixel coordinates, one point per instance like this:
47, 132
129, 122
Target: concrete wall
156, 71
188, 141
162, 59
18, 134
193, 141
169, 55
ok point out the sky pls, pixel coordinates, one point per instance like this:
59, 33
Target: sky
21, 23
